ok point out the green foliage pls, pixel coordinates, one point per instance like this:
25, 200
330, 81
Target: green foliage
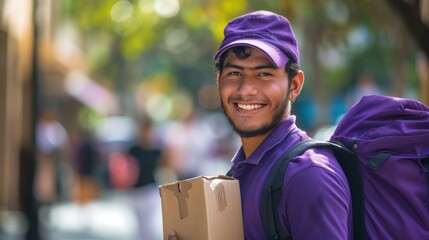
129, 42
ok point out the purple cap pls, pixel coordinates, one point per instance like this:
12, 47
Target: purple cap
269, 32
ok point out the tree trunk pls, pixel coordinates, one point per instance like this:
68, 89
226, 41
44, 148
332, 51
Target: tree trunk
400, 78
423, 72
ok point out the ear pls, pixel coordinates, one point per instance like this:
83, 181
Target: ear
296, 85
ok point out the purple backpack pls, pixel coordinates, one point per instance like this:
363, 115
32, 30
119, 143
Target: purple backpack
390, 136
382, 144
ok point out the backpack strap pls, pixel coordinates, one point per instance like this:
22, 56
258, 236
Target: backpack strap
425, 168
351, 167
272, 191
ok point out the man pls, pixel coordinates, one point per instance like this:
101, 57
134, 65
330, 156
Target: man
258, 78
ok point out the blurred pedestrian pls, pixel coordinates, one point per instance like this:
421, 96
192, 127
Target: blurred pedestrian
146, 153
188, 146
52, 164
86, 160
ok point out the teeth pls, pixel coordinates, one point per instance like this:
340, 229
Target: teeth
249, 107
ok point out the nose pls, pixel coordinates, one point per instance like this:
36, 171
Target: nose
247, 87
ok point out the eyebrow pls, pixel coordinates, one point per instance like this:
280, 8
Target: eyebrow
230, 65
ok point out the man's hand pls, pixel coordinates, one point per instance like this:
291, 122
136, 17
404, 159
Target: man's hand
172, 236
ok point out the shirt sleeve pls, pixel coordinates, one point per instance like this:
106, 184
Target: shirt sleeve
316, 204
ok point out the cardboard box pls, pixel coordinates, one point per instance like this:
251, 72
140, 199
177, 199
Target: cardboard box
202, 208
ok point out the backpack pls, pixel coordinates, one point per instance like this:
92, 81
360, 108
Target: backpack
382, 145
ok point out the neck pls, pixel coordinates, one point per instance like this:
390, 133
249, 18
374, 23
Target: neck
251, 143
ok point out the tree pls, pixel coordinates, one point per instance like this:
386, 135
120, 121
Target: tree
415, 16
412, 13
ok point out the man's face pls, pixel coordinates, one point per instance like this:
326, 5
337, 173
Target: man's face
253, 93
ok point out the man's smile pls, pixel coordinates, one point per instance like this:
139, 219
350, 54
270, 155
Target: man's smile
249, 106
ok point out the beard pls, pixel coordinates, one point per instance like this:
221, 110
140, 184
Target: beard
276, 120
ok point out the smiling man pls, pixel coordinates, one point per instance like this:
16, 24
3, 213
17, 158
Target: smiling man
259, 78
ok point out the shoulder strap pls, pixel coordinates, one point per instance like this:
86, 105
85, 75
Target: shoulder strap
272, 192
270, 198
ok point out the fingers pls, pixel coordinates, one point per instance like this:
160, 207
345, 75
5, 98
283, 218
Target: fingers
172, 236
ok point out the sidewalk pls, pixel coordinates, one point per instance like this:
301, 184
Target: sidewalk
132, 215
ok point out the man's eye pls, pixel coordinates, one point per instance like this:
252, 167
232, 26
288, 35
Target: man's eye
264, 74
234, 73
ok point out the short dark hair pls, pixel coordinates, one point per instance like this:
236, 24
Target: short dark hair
242, 52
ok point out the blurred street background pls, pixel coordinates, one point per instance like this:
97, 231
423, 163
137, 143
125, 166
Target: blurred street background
103, 101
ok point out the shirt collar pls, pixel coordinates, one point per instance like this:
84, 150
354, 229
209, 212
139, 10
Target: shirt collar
279, 133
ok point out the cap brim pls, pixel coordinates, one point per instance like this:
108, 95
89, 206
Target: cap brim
277, 57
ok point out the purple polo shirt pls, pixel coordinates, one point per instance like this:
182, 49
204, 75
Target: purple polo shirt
316, 201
